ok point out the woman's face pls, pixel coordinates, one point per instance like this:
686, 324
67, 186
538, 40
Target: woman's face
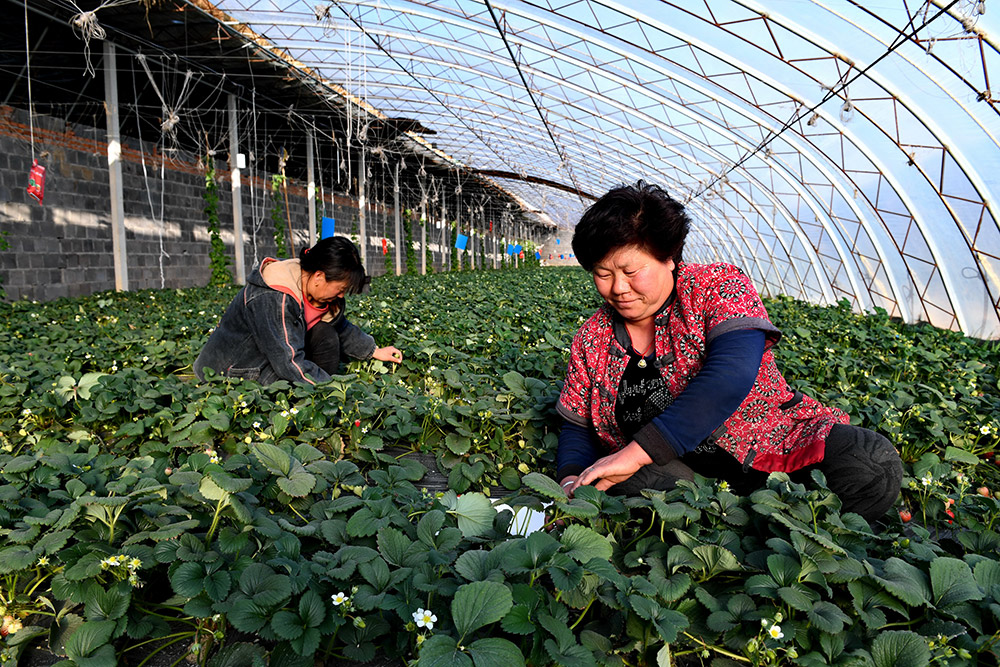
633, 282
321, 291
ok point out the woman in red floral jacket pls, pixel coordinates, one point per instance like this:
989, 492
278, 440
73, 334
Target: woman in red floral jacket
675, 374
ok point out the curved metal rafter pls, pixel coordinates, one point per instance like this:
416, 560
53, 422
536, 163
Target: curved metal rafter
893, 208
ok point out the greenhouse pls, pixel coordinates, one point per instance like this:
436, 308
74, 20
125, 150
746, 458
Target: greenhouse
484, 333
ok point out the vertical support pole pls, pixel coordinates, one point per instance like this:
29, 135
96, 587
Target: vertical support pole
115, 168
445, 250
395, 203
362, 210
311, 189
237, 189
423, 236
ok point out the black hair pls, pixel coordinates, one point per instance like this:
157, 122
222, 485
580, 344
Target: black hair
642, 215
338, 259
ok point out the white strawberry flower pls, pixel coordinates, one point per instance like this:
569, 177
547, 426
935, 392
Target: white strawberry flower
424, 618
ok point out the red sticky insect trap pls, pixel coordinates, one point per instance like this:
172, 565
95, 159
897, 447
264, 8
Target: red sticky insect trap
36, 181
385, 247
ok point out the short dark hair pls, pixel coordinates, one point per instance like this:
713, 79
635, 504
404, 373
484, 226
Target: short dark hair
642, 215
338, 259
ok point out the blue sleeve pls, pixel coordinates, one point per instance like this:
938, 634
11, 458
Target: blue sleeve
353, 341
725, 379
578, 448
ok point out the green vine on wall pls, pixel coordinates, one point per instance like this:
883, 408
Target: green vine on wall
278, 216
3, 246
218, 259
411, 252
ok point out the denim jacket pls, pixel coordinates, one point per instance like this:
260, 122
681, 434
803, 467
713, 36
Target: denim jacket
261, 336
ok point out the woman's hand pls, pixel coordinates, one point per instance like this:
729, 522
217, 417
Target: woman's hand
389, 353
568, 481
614, 468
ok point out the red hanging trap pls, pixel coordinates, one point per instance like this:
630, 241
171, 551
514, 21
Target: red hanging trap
36, 181
385, 247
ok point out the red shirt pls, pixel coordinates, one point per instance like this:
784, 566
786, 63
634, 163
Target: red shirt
711, 299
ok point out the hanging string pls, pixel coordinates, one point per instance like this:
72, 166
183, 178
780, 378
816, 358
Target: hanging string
31, 106
145, 177
85, 24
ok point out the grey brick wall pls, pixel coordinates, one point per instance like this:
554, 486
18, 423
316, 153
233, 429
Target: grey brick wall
63, 248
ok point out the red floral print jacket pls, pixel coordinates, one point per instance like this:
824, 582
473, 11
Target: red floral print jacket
774, 428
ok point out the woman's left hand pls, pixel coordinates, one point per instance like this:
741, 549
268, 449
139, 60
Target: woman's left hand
389, 353
614, 468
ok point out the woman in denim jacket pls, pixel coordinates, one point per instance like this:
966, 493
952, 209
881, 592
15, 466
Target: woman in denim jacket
675, 374
288, 322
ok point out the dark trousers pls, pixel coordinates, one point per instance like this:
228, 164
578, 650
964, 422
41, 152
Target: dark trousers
861, 467
323, 347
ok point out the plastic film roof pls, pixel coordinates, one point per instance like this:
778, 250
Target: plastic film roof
833, 149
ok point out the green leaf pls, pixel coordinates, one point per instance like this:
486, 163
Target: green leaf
475, 514
717, 559
472, 565
287, 625
307, 644
103, 656
795, 598
894, 648
21, 463
952, 582
220, 421
428, 527
299, 483
442, 651
458, 444
906, 582
544, 485
16, 558
479, 603
217, 585
584, 543
495, 652
107, 605
241, 654
311, 609
514, 382
961, 456
393, 545
62, 629
211, 490
518, 621
87, 382
272, 457
188, 579
828, 617
246, 616
88, 638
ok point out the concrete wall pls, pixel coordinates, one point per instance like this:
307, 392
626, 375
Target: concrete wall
63, 247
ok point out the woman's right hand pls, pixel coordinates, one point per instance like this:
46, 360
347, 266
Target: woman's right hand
567, 483
388, 353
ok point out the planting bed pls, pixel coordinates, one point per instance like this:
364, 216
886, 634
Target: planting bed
290, 525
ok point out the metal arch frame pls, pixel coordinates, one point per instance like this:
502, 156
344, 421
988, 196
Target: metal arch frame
756, 72
941, 252
718, 218
819, 268
851, 266
715, 219
819, 161
830, 227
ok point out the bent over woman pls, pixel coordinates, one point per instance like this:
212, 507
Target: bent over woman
675, 374
288, 322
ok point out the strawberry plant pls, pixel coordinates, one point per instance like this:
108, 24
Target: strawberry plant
144, 511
